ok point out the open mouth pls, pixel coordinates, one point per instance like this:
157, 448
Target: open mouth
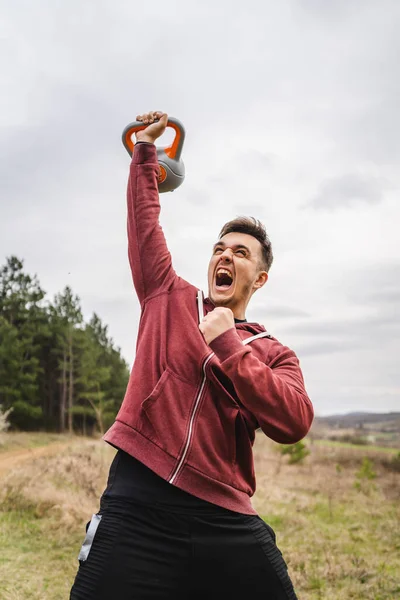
223, 279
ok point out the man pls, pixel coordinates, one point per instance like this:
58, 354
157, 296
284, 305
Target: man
176, 520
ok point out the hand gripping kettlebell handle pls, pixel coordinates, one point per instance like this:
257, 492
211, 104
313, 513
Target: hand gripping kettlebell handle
173, 151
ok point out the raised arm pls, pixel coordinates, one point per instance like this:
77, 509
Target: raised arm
149, 256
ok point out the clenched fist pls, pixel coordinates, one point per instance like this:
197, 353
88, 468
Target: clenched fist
216, 322
156, 123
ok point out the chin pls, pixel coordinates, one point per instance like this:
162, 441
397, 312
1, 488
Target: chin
221, 301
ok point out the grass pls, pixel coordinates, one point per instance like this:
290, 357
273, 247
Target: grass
340, 551
29, 439
37, 560
340, 543
44, 506
360, 447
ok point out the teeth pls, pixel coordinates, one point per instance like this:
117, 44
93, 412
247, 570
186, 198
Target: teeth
221, 271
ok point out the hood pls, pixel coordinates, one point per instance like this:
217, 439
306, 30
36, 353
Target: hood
253, 328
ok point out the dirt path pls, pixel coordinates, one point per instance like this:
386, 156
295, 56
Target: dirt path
13, 458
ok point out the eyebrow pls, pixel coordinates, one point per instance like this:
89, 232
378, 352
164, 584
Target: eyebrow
235, 246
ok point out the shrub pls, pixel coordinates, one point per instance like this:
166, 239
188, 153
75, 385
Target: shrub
365, 476
297, 452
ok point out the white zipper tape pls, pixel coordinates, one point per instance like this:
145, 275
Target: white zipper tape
190, 432
256, 337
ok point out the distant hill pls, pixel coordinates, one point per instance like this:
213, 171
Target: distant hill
357, 419
360, 427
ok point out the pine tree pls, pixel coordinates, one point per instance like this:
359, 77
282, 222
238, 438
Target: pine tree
98, 370
55, 371
66, 316
22, 325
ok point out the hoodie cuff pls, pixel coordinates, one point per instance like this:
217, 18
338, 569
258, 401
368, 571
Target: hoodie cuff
226, 344
144, 152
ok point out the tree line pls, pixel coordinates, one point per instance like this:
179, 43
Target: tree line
57, 372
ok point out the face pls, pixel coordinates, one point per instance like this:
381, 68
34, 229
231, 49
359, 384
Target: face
234, 272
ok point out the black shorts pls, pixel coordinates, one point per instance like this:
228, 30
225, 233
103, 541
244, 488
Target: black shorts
134, 551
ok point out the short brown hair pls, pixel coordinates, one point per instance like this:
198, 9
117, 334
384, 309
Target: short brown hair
253, 227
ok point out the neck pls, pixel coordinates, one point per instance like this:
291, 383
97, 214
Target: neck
239, 310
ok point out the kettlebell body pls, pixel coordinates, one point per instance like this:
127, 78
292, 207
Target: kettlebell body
172, 169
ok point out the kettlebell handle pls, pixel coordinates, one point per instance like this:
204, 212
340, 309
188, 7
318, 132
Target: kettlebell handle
173, 151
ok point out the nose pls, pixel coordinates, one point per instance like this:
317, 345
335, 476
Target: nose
226, 256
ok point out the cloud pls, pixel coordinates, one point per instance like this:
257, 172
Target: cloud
349, 190
284, 103
278, 311
322, 348
253, 162
357, 331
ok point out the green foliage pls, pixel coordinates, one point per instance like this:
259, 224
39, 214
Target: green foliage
366, 470
297, 452
56, 372
364, 476
22, 328
350, 438
94, 372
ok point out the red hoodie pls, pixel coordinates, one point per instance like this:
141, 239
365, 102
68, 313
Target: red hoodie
191, 410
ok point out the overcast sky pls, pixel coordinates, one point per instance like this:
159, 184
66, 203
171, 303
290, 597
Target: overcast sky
292, 115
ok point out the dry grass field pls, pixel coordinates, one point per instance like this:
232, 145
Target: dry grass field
335, 516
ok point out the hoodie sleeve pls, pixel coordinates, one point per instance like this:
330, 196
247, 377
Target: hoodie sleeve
149, 256
274, 394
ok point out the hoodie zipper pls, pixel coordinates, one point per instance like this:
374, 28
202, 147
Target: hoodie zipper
191, 422
179, 466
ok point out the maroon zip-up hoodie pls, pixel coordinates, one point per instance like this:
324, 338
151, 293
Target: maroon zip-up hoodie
191, 410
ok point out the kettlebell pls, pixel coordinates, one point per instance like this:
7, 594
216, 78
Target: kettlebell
172, 169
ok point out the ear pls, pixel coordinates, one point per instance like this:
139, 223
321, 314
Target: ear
261, 280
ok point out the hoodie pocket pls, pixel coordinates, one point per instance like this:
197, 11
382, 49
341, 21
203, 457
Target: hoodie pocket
213, 450
166, 412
